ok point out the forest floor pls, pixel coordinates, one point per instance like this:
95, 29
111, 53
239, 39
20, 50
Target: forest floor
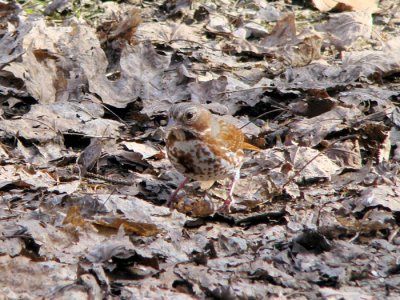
85, 88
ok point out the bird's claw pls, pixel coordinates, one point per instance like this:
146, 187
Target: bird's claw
226, 207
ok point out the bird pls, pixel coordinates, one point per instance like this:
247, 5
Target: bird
204, 147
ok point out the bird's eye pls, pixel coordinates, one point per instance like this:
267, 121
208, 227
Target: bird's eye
189, 115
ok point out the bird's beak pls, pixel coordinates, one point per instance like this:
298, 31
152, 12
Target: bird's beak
171, 123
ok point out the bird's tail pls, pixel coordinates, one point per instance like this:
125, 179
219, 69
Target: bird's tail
247, 146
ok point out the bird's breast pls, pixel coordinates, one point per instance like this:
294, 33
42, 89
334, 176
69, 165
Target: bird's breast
200, 157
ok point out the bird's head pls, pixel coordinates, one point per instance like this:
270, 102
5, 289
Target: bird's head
189, 115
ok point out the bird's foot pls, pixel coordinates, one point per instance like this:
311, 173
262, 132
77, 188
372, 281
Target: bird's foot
226, 207
174, 198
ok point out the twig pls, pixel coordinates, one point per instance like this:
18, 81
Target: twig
263, 114
354, 237
242, 90
9, 217
108, 179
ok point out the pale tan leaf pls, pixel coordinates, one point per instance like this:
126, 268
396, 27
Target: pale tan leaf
342, 5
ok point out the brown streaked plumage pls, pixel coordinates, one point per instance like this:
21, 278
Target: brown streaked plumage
204, 147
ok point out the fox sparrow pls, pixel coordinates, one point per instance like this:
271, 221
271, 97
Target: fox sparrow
204, 147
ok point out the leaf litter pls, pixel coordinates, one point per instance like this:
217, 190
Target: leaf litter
84, 174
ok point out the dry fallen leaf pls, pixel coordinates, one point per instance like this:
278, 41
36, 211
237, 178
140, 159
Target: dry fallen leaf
74, 217
365, 63
370, 6
344, 29
130, 227
386, 196
145, 150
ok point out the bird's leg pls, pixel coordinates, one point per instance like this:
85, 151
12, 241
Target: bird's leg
172, 199
226, 207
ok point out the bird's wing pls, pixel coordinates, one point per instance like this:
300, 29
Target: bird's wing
233, 138
229, 136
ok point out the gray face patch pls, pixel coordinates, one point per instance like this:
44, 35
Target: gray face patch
185, 113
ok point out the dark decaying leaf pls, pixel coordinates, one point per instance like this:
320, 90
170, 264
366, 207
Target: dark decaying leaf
311, 241
89, 156
283, 32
